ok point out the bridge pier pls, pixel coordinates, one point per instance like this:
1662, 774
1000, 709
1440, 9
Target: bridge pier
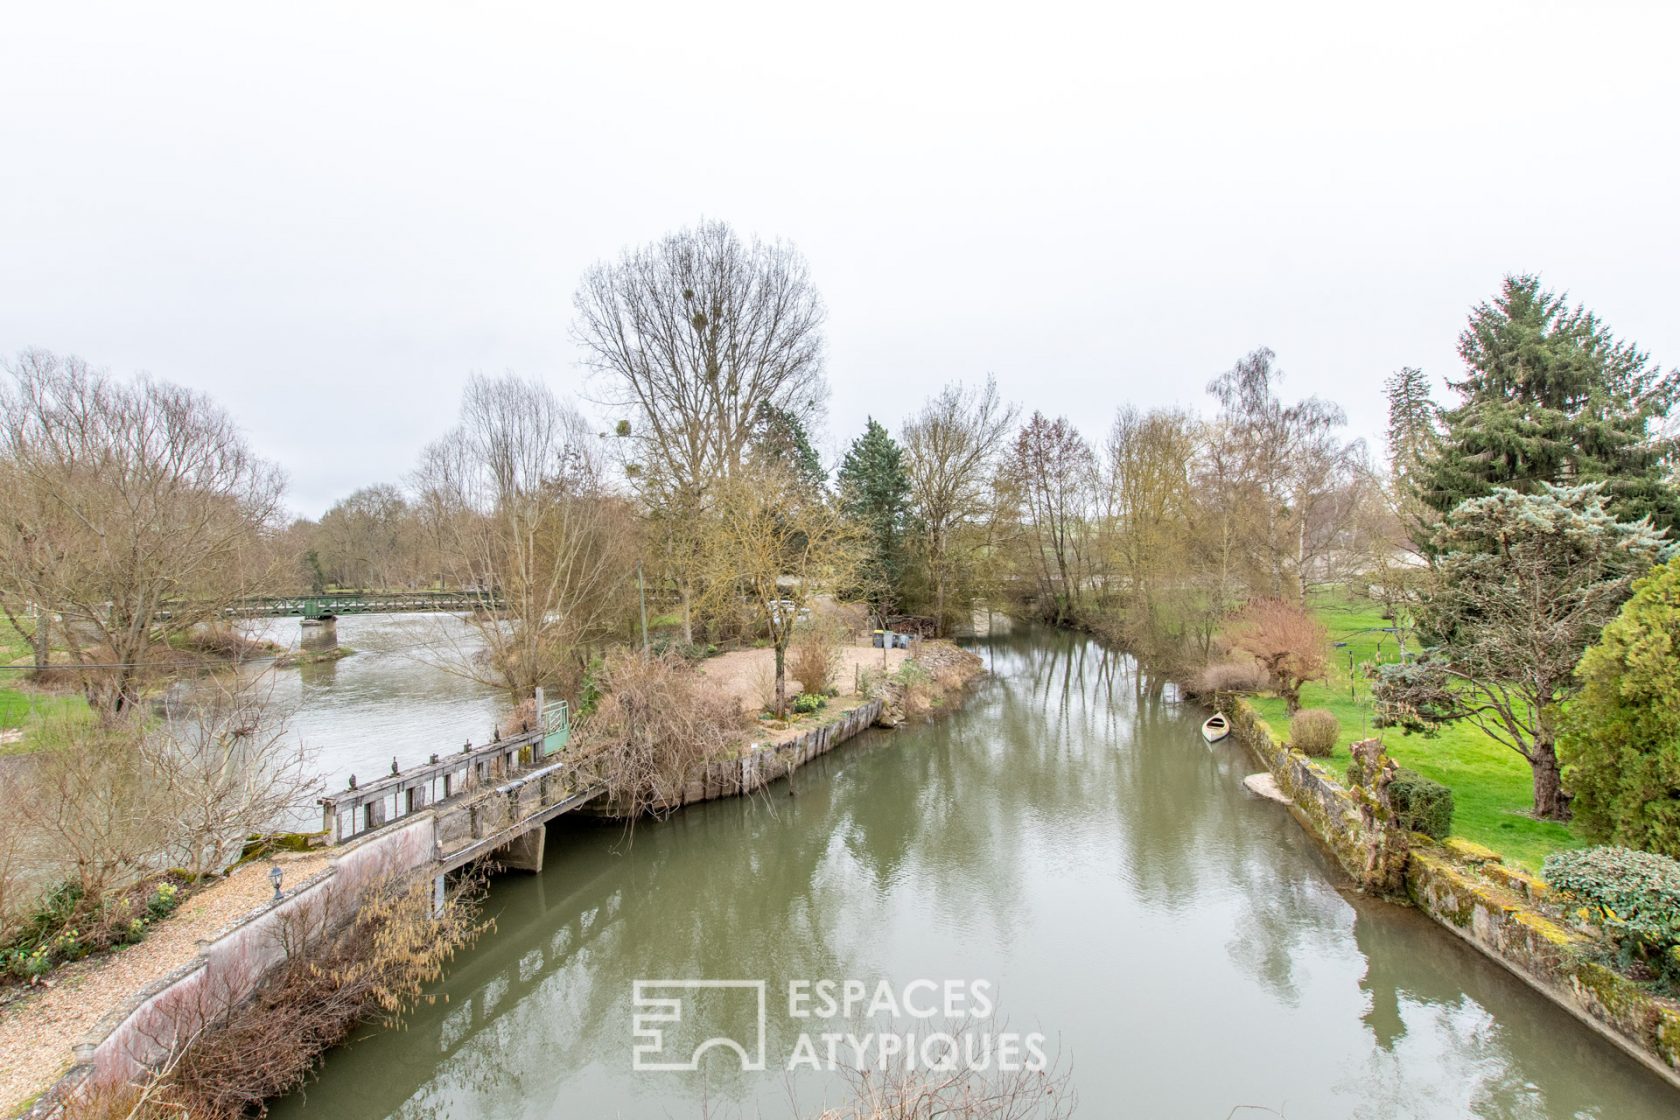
524, 853
319, 634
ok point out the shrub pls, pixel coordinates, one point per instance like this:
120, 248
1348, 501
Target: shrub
1635, 896
373, 970
1621, 738
164, 900
814, 658
692, 652
658, 719
1288, 640
807, 702
1230, 676
1314, 731
27, 965
1422, 804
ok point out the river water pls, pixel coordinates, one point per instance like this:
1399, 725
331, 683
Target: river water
399, 695
1182, 946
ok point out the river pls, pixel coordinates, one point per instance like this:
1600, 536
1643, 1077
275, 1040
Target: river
1183, 947
395, 696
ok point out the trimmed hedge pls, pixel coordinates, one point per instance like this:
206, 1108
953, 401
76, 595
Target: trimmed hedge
1633, 895
1422, 804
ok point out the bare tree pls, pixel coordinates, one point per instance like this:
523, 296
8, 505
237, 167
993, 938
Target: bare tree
370, 539
1146, 514
227, 768
1055, 473
773, 545
951, 452
1284, 463
1288, 640
697, 336
524, 515
133, 513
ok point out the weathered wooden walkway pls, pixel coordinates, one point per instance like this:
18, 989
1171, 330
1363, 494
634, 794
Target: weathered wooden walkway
492, 800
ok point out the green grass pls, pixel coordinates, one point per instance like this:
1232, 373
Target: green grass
20, 705
1492, 785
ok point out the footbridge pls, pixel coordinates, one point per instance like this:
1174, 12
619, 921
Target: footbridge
333, 605
492, 800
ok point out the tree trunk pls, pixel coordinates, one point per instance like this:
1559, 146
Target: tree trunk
1551, 803
42, 648
938, 586
1291, 693
1301, 561
781, 679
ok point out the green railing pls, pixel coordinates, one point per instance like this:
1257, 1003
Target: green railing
364, 602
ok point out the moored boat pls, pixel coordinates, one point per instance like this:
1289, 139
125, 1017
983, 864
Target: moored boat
1216, 727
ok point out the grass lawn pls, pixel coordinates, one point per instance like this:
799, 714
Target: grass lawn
19, 704
1491, 783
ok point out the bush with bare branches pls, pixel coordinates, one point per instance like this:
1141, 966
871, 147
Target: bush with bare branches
1314, 731
1229, 676
816, 653
1288, 640
105, 808
657, 721
967, 1089
961, 1095
374, 969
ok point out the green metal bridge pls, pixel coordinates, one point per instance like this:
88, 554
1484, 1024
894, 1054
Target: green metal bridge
364, 602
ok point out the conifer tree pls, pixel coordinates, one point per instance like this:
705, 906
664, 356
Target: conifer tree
1551, 396
875, 492
1414, 421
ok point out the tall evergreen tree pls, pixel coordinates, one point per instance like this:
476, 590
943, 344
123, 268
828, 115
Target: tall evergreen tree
1414, 420
781, 438
875, 492
1550, 396
1523, 585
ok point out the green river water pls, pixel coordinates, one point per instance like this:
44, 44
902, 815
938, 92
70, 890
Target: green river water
1063, 845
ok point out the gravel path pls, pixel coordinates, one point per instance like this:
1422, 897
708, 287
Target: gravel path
750, 674
37, 1032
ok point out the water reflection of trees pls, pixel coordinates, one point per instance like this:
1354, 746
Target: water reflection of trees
1446, 1032
907, 844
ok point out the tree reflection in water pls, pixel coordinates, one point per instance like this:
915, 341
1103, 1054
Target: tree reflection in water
1066, 836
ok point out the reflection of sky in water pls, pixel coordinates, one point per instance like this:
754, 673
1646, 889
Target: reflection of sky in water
1181, 943
390, 698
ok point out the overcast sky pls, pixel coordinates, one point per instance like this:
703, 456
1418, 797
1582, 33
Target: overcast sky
327, 216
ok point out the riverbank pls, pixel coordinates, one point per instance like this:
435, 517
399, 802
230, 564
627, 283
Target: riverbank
1065, 834
1493, 791
40, 1030
127, 1024
1505, 913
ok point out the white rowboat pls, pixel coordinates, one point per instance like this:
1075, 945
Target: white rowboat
1216, 728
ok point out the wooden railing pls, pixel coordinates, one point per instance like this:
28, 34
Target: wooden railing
369, 805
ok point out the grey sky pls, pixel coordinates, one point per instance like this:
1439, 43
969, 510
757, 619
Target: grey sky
329, 215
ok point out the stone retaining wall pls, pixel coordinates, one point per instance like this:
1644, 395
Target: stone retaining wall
230, 966
1328, 811
1470, 892
1468, 889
